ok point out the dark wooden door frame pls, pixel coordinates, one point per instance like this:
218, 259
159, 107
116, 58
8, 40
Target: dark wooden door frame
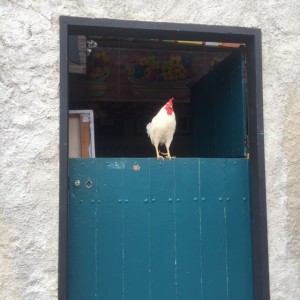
174, 31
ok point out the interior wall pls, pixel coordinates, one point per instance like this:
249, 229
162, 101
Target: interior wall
29, 94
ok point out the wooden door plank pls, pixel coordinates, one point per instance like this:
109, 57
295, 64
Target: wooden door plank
110, 229
163, 263
238, 228
82, 275
213, 229
136, 245
188, 229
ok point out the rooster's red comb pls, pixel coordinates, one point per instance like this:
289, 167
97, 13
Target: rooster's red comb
170, 101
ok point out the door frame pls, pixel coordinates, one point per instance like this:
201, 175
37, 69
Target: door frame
251, 37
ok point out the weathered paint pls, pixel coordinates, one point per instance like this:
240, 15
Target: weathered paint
167, 230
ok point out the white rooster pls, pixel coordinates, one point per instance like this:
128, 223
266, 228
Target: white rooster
162, 127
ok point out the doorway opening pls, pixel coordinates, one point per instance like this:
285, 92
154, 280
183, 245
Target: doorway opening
121, 117
125, 81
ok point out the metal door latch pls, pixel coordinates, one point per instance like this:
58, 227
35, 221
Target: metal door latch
88, 184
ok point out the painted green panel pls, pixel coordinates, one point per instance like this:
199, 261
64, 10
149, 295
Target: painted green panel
148, 229
136, 230
238, 107
162, 257
188, 230
238, 229
202, 111
219, 115
110, 230
82, 275
223, 116
213, 231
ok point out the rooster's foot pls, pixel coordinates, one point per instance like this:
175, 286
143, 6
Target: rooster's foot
159, 157
167, 155
170, 157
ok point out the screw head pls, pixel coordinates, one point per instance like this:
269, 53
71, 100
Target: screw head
77, 183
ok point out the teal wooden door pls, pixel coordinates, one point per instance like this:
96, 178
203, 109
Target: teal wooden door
142, 229
218, 107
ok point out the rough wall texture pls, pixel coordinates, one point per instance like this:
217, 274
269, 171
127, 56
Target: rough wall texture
29, 72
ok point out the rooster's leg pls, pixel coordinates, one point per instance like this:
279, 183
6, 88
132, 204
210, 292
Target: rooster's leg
157, 153
168, 155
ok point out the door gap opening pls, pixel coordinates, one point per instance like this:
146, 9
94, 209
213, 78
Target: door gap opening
125, 81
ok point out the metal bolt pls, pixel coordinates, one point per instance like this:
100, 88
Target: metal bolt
77, 183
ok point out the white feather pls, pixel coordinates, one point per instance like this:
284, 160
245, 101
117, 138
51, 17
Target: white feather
162, 128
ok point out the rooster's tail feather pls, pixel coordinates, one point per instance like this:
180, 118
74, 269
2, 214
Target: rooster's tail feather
148, 128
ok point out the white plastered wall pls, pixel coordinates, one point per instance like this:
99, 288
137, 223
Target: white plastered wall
29, 118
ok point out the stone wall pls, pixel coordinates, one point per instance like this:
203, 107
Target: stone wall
29, 97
